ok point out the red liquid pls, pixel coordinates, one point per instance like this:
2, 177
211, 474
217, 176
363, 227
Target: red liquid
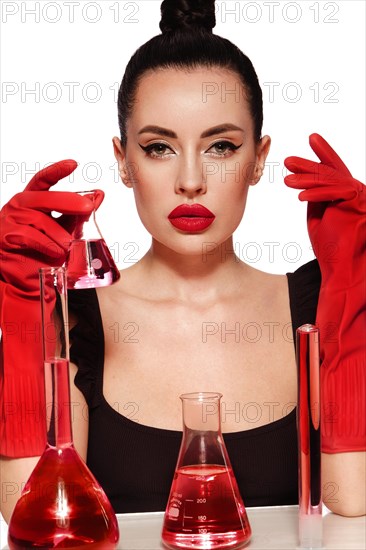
90, 264
205, 510
62, 506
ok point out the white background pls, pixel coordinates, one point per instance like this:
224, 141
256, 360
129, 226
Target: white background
310, 59
312, 51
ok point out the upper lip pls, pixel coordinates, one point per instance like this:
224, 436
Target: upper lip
191, 211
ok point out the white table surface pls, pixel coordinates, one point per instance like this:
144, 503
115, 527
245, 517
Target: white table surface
274, 528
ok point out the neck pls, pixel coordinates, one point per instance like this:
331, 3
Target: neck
215, 272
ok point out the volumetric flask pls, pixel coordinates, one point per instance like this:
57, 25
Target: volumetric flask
204, 509
89, 262
62, 505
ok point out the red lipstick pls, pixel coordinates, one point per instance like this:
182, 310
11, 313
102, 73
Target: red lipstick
191, 217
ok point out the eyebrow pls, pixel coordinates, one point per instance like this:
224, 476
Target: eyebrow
157, 130
222, 128
152, 129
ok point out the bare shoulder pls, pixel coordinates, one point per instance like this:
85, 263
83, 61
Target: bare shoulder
269, 288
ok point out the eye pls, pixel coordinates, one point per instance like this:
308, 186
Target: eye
157, 150
223, 148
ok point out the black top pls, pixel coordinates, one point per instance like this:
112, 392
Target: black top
135, 464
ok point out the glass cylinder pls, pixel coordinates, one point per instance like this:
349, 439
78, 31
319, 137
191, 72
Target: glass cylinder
204, 509
309, 437
62, 505
89, 262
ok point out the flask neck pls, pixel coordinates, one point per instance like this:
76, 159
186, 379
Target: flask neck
202, 442
55, 338
59, 431
86, 227
201, 412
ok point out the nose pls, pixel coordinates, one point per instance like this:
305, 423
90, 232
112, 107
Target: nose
190, 180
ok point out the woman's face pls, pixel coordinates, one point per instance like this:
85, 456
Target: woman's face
190, 156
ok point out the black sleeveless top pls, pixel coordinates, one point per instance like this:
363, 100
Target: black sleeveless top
135, 464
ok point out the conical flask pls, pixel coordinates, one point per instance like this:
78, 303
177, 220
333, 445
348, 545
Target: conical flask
89, 262
61, 505
204, 509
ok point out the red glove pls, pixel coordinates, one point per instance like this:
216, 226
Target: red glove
29, 239
337, 230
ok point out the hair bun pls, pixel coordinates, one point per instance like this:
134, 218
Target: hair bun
187, 15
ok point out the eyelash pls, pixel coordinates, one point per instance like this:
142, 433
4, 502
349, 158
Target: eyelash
151, 150
228, 145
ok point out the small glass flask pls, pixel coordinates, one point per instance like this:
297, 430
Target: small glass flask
204, 509
62, 505
89, 261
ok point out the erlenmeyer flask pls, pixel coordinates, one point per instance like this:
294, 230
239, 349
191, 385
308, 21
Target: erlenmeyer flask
61, 505
204, 509
89, 262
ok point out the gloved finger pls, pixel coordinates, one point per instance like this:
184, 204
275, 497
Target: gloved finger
70, 222
26, 228
326, 154
64, 202
95, 195
301, 165
35, 245
45, 178
98, 198
322, 179
330, 193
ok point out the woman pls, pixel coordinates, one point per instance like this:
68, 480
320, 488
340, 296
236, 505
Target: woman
190, 160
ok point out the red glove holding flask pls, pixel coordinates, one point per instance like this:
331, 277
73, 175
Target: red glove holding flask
30, 238
337, 230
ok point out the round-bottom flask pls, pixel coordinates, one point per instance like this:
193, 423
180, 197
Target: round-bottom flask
62, 505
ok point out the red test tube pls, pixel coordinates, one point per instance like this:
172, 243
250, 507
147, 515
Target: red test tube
309, 440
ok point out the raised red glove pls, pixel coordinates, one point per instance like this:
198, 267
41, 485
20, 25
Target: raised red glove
30, 238
337, 230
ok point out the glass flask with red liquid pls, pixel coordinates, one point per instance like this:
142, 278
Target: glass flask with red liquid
89, 261
62, 505
205, 509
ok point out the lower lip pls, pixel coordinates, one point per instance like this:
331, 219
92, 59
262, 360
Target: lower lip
191, 224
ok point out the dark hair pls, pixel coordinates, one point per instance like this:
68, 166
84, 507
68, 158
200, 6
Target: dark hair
187, 41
